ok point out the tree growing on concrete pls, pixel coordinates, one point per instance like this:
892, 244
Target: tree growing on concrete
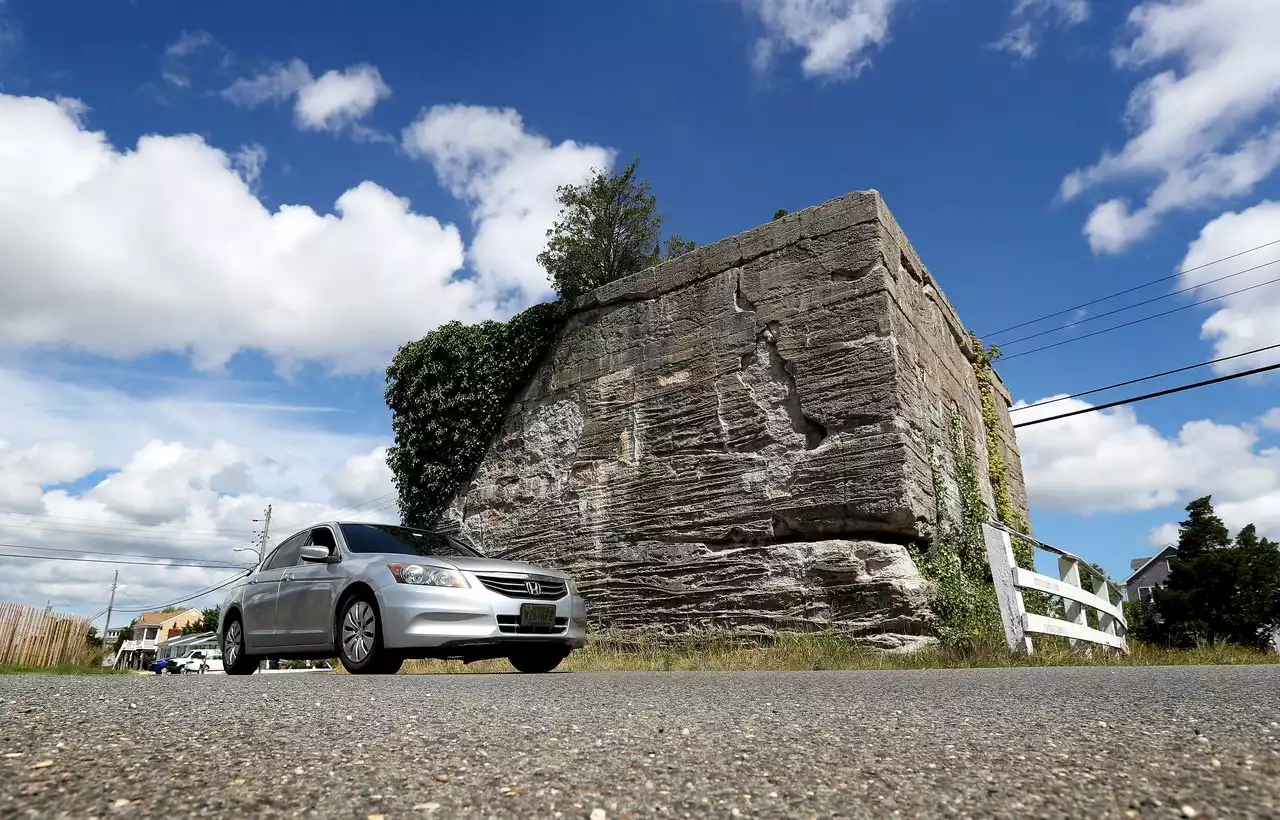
608, 227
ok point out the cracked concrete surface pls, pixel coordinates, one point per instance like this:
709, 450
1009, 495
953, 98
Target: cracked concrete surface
740, 438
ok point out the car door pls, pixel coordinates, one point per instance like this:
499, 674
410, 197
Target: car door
307, 593
261, 597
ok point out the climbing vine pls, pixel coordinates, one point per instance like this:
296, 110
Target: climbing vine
965, 608
448, 393
997, 468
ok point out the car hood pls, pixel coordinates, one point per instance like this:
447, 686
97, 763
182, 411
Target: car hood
498, 565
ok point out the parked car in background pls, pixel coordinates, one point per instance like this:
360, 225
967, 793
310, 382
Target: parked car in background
377, 594
199, 661
162, 666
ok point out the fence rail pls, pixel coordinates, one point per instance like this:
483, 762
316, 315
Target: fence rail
39, 637
1019, 625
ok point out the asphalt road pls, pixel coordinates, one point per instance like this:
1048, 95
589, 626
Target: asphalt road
1081, 743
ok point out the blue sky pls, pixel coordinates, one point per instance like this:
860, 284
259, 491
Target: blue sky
968, 117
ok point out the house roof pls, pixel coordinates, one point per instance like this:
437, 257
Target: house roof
157, 618
1164, 553
185, 640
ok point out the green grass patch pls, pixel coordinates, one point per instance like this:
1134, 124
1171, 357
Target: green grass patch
812, 652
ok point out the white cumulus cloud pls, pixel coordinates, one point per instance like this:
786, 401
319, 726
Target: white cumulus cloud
1241, 321
1205, 119
166, 247
835, 35
184, 478
488, 157
1110, 462
332, 102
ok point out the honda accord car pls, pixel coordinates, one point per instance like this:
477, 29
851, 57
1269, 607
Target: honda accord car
377, 594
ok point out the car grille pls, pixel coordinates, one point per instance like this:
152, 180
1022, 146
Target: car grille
549, 588
510, 624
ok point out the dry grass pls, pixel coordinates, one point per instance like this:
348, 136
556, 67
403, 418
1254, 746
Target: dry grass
826, 652
61, 669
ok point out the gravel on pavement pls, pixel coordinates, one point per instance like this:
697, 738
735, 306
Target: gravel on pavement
989, 743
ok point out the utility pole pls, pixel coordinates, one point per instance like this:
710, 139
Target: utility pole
107, 626
262, 543
266, 527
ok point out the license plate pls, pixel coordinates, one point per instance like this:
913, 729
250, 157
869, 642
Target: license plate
537, 615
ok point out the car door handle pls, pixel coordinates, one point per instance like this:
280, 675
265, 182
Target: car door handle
288, 576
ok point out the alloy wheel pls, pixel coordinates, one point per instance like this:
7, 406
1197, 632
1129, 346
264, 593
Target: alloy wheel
358, 630
234, 636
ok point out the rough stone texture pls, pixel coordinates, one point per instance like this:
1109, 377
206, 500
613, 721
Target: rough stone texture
746, 437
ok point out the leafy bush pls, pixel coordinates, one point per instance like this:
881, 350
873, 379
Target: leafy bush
448, 394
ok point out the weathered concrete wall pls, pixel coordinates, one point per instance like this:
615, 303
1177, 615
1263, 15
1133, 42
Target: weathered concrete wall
742, 437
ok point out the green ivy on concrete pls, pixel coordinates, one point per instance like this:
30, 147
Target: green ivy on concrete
997, 469
965, 608
449, 393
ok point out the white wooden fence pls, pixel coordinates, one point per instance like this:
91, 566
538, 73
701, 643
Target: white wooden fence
1020, 625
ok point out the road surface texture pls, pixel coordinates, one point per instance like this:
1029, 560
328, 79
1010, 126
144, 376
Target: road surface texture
1000, 743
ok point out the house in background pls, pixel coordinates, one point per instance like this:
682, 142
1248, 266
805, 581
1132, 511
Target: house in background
150, 630
1148, 574
181, 645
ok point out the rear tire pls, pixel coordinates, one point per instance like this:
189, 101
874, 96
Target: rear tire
235, 654
537, 661
359, 641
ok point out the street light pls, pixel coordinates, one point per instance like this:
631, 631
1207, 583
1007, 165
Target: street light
249, 549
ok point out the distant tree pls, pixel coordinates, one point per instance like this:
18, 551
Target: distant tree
208, 621
607, 228
778, 214
1219, 590
174, 608
92, 638
1202, 530
126, 633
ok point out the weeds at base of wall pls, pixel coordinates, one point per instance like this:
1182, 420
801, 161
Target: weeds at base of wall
965, 607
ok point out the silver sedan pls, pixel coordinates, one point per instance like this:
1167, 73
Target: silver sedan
376, 594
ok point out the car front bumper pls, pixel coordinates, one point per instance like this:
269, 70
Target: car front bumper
424, 617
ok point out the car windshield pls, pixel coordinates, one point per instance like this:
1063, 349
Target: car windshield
366, 538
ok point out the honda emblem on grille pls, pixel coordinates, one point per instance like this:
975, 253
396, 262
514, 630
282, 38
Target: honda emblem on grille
533, 587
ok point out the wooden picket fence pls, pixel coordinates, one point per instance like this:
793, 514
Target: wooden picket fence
1103, 597
40, 638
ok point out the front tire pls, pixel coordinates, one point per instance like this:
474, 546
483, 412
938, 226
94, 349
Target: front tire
537, 661
360, 646
235, 652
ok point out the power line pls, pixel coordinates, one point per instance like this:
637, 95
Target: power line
1144, 378
226, 582
1157, 394
113, 535
110, 561
213, 563
376, 504
1138, 321
1168, 295
1132, 289
119, 524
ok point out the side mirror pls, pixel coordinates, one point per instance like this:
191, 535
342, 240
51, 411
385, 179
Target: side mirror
311, 552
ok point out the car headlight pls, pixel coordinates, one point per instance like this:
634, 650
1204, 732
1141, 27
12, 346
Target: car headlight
419, 575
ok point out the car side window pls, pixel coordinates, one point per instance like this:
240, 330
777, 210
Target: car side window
323, 537
286, 555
